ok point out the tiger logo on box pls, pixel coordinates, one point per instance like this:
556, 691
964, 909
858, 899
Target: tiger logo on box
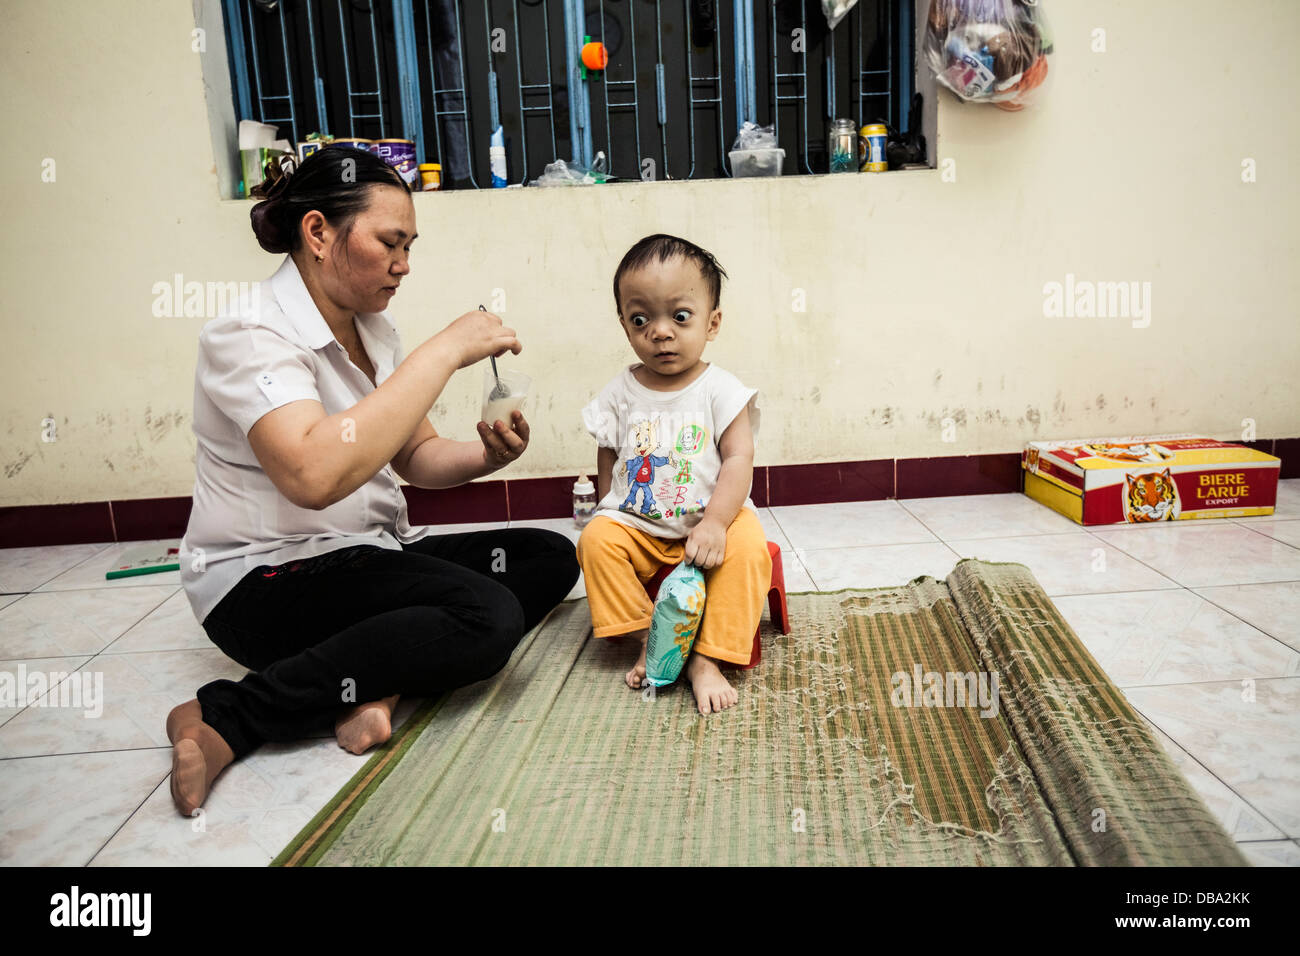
1151, 496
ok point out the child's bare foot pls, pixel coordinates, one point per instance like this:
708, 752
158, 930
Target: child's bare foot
712, 692
199, 753
635, 678
366, 725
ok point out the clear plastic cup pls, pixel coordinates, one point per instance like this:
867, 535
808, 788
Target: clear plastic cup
499, 409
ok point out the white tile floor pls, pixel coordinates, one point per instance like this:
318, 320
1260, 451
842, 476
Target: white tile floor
1199, 623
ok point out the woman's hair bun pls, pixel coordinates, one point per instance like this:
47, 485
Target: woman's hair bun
334, 180
269, 227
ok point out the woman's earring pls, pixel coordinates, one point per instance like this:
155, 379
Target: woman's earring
320, 258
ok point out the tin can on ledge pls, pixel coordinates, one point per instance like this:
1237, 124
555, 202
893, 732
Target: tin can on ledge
400, 154
871, 148
430, 177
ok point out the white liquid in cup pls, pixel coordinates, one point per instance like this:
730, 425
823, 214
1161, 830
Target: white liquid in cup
499, 409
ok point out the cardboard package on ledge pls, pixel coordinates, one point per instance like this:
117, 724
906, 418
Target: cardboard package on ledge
1151, 478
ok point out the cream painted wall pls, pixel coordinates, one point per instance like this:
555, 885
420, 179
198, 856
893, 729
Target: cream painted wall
924, 297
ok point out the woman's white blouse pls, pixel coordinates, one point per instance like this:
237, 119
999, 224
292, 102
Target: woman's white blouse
274, 348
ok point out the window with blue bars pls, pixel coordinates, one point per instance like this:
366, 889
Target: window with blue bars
681, 78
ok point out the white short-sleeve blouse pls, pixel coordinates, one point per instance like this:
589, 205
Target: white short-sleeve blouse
274, 347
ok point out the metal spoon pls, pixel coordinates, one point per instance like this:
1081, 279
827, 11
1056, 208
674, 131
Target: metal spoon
498, 390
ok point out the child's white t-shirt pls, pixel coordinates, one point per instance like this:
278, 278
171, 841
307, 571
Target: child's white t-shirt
667, 443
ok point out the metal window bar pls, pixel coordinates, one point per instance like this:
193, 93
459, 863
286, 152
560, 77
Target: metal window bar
830, 75
533, 89
450, 97
882, 18
624, 86
798, 79
238, 59
579, 96
377, 92
263, 99
322, 116
661, 94
715, 82
746, 100
408, 72
905, 66
494, 107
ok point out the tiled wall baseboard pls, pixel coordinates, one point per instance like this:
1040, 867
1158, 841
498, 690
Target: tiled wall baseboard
531, 499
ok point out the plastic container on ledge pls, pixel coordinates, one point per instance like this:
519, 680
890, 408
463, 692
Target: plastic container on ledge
756, 162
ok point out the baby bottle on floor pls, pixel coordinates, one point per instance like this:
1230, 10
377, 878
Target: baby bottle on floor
584, 501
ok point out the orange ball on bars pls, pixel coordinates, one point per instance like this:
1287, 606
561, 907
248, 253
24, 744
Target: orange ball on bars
595, 56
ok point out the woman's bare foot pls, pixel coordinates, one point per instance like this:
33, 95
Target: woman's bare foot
712, 692
199, 753
366, 725
635, 678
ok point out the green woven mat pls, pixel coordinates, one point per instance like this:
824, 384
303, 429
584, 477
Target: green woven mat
823, 760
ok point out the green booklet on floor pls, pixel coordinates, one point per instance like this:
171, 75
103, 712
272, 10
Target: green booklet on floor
145, 559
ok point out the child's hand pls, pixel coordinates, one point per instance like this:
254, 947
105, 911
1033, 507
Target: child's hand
707, 544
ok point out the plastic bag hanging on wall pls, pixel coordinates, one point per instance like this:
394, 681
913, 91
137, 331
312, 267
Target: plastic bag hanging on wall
989, 51
837, 10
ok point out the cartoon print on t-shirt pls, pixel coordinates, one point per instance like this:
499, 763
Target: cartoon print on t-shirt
640, 469
675, 492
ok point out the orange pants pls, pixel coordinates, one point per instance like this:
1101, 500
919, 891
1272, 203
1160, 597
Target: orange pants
618, 560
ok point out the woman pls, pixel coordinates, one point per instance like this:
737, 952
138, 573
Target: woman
298, 559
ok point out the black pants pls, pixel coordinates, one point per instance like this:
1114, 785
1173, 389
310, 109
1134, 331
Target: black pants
362, 623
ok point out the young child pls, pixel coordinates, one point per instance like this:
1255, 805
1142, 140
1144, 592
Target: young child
674, 469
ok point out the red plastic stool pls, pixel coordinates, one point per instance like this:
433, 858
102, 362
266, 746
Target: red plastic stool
775, 599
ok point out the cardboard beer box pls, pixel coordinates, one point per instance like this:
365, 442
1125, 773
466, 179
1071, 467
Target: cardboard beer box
1153, 478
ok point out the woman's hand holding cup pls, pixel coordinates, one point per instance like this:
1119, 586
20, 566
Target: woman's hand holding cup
470, 339
505, 444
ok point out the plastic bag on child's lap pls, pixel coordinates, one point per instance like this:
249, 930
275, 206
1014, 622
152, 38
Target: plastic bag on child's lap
674, 624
